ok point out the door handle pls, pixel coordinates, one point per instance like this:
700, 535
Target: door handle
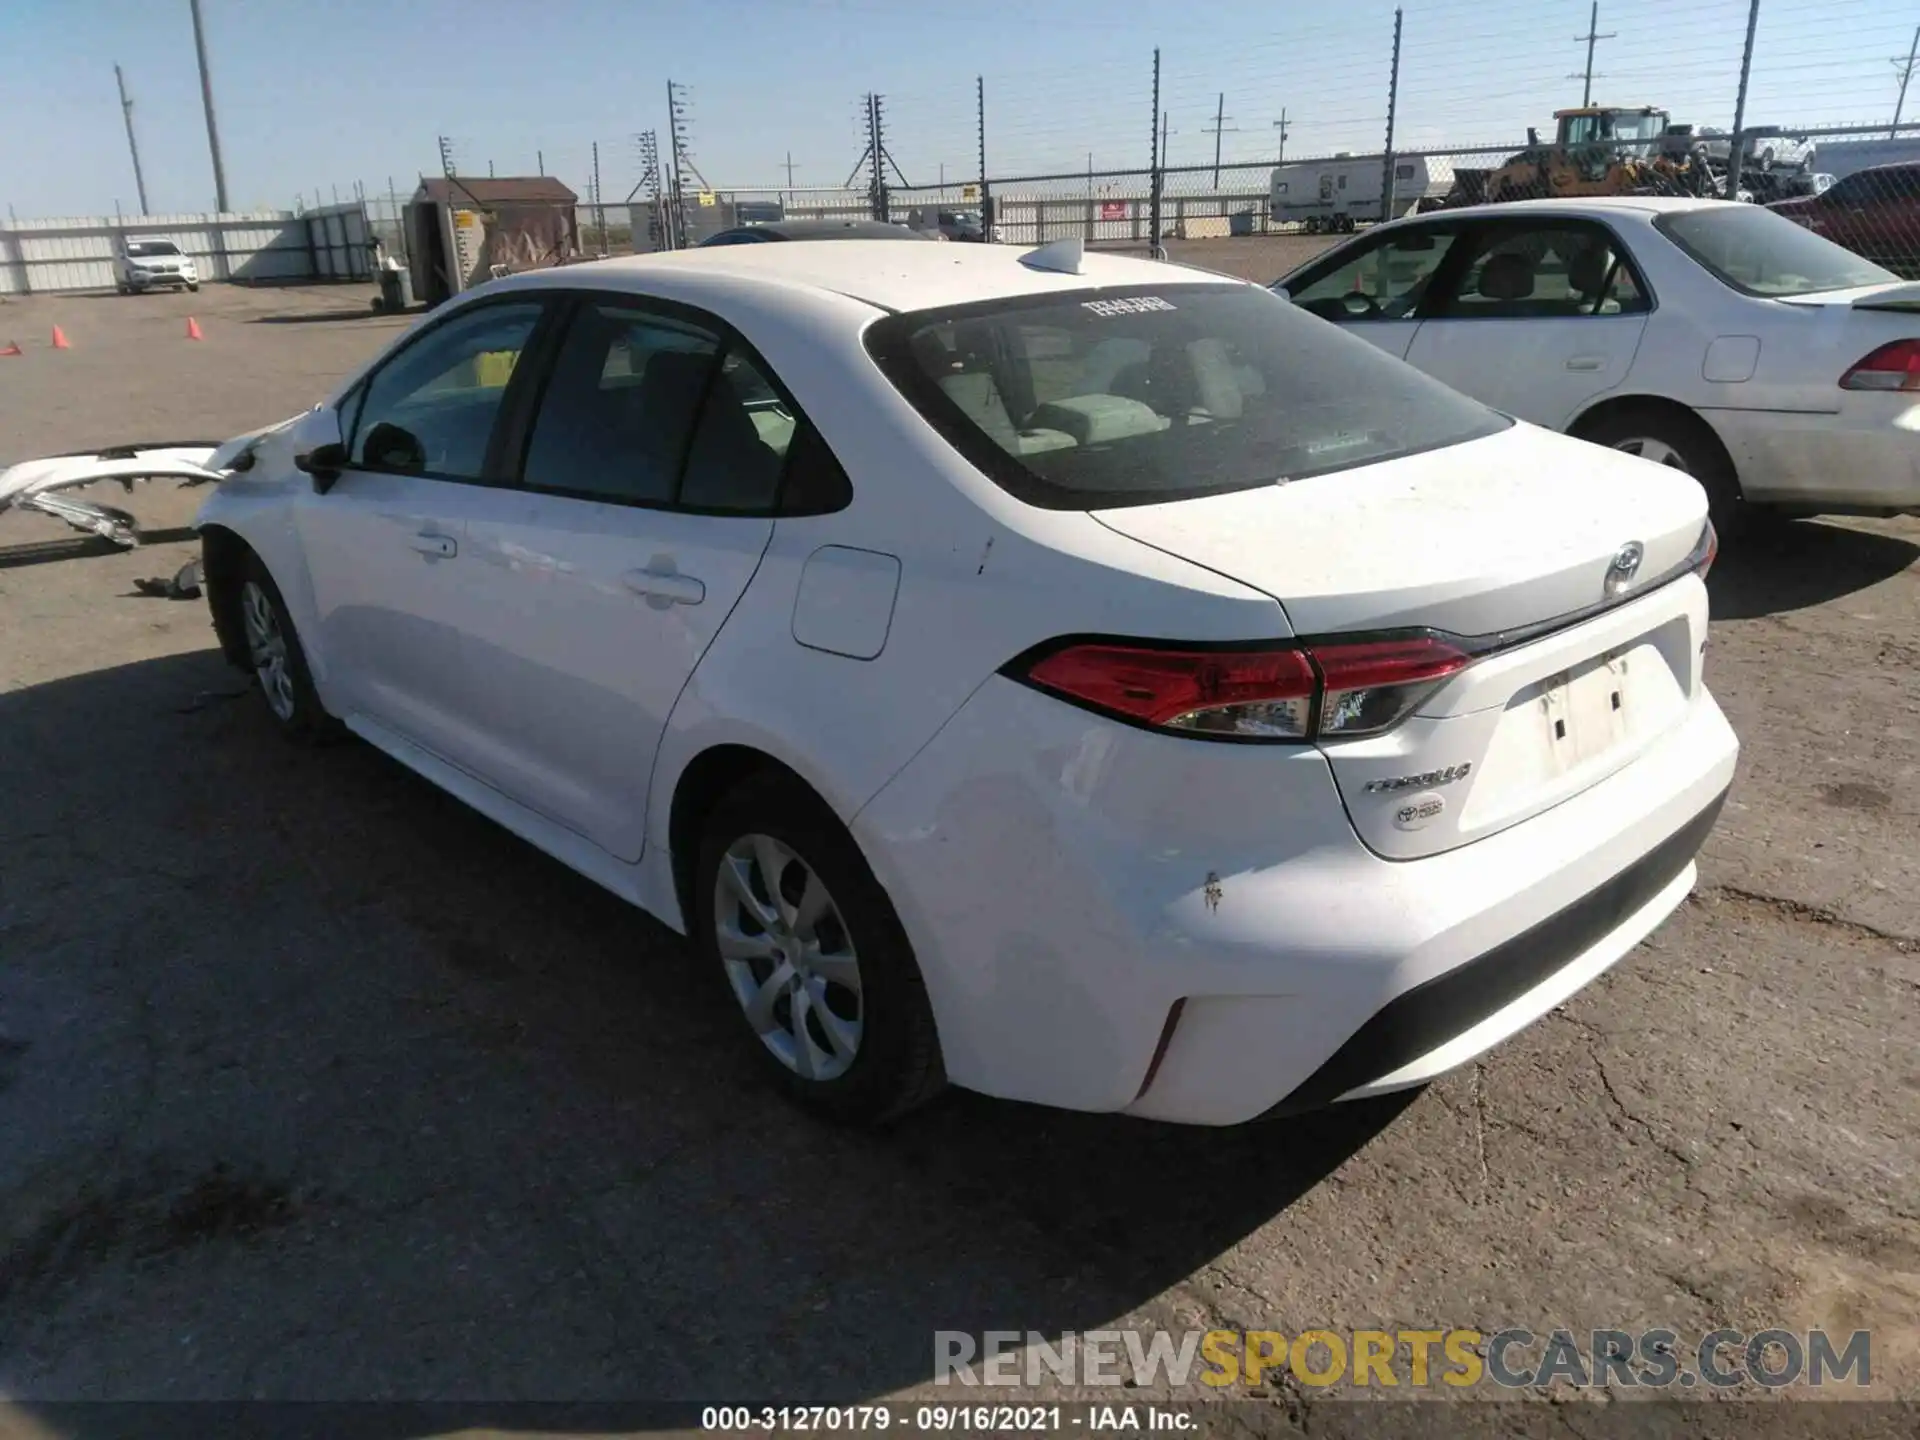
663, 585
1587, 362
440, 547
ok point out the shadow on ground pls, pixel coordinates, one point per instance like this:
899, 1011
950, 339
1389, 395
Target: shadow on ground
1796, 565
333, 1089
326, 317
80, 547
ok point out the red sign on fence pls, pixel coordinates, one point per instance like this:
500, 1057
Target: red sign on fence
1113, 209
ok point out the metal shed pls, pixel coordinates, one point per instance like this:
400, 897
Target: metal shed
464, 231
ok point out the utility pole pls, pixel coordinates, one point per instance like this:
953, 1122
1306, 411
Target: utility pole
490, 169
540, 162
1905, 67
206, 99
1736, 149
599, 210
1156, 134
1281, 126
1593, 27
1393, 104
1218, 128
681, 142
789, 170
980, 110
140, 180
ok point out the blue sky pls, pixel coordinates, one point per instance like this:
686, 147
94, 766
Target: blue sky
308, 98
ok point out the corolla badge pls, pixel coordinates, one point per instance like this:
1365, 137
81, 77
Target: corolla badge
1625, 565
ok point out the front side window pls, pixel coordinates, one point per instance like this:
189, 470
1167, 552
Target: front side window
431, 409
1758, 252
1385, 281
1110, 398
1545, 272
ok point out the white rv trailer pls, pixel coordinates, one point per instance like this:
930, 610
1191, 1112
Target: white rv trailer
1330, 195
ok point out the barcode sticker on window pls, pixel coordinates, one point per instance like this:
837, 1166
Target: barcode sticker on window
1137, 305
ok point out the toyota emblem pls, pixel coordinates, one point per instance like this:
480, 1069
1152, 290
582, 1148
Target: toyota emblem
1626, 565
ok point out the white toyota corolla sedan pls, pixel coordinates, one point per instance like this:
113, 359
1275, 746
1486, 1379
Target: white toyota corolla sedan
1776, 368
1080, 679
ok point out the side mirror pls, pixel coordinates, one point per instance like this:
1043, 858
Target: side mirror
324, 463
317, 447
1281, 291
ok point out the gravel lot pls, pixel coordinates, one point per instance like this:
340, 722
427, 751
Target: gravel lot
314, 1084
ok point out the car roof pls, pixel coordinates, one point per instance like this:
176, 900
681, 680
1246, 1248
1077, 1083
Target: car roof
1596, 205
879, 272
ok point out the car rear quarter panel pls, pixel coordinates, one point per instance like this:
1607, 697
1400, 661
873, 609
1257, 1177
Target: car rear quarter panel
982, 579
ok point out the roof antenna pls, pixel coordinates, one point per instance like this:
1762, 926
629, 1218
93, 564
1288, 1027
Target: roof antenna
1061, 255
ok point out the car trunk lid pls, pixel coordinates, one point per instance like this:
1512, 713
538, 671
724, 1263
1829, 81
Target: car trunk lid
1538, 555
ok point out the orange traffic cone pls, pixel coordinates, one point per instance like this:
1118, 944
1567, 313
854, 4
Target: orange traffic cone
193, 329
13, 348
60, 339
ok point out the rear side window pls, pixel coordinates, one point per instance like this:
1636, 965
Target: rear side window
1759, 252
1106, 398
620, 407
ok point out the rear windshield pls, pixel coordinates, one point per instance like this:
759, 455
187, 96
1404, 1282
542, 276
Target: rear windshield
1095, 399
152, 247
1759, 252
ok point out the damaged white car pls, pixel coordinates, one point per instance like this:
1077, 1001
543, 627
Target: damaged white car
50, 485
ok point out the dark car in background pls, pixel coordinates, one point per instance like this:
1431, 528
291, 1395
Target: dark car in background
949, 223
1873, 212
812, 230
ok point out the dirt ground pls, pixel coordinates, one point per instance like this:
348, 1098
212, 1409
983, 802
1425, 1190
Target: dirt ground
314, 1084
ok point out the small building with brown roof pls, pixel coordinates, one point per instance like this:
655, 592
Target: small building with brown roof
464, 230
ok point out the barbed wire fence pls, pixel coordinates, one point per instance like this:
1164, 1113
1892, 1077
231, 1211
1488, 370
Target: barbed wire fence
1336, 122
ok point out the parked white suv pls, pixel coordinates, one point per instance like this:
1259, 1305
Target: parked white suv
144, 264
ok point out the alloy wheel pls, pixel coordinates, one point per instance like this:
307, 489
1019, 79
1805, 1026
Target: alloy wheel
267, 647
789, 957
1658, 451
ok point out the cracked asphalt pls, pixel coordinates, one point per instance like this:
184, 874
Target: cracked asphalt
315, 1085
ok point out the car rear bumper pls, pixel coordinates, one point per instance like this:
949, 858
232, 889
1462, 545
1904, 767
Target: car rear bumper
1864, 458
1109, 919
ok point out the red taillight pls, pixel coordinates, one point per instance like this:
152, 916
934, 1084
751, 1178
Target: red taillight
1895, 366
1251, 694
1374, 685
1353, 689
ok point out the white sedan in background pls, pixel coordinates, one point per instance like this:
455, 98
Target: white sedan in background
1773, 366
1081, 679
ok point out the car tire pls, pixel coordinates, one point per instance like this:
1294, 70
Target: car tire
277, 660
1681, 440
194, 287
846, 1031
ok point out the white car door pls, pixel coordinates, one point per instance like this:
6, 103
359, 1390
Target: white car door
1545, 316
652, 470
1373, 285
385, 546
